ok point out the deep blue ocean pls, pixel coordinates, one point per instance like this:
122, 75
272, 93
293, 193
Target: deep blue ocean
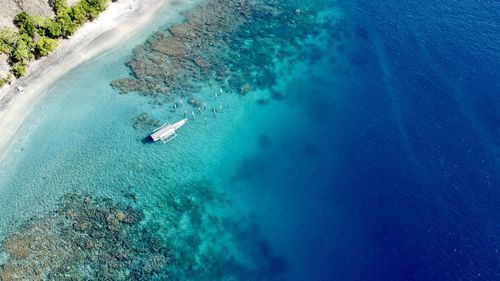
401, 178
416, 145
377, 158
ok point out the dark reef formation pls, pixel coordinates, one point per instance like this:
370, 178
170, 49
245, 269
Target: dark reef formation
235, 45
95, 238
144, 122
208, 245
84, 239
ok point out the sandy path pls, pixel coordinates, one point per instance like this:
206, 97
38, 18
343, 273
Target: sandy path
122, 20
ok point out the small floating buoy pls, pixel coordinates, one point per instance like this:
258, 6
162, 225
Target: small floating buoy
205, 106
175, 106
192, 114
215, 112
220, 106
180, 102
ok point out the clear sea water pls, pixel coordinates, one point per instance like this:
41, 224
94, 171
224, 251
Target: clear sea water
381, 164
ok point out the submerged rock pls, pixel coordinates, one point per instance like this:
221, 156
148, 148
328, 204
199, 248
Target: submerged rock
82, 226
195, 102
17, 246
182, 30
144, 122
245, 89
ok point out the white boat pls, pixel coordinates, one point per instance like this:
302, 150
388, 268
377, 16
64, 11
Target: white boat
167, 132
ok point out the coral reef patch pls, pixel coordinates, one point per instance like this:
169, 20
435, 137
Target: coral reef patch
208, 244
235, 45
86, 238
145, 122
96, 238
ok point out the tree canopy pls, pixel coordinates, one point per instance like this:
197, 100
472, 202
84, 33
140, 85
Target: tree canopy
37, 36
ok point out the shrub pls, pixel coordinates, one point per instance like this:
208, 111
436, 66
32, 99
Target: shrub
96, 7
79, 13
87, 10
63, 26
23, 52
6, 80
53, 29
68, 27
45, 45
41, 25
25, 23
61, 7
8, 41
19, 69
3, 82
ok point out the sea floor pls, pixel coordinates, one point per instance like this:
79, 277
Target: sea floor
355, 140
244, 192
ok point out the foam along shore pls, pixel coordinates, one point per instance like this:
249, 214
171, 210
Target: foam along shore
120, 21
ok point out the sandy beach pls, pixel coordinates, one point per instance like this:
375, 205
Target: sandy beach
122, 20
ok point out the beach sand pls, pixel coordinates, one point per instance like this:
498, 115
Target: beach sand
122, 20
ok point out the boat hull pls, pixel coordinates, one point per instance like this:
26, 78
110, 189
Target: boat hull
167, 131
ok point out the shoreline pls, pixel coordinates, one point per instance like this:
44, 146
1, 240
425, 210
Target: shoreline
120, 21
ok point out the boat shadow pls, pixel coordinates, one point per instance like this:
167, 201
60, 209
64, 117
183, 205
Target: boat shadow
147, 140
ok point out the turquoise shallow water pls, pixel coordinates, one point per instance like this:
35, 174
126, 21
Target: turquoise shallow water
275, 162
56, 156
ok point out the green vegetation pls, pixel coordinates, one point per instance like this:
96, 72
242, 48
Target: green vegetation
23, 52
8, 41
45, 45
87, 10
19, 69
37, 36
4, 81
